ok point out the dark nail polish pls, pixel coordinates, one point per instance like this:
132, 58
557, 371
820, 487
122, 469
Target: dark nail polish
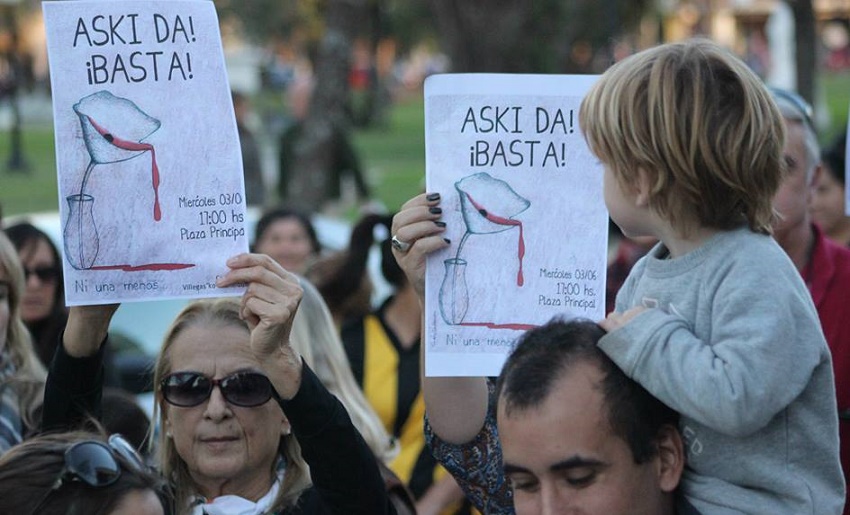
447, 240
432, 196
435, 210
439, 223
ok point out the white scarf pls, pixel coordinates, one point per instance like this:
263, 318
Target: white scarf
235, 505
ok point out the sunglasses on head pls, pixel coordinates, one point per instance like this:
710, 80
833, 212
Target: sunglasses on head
95, 464
44, 273
245, 389
797, 102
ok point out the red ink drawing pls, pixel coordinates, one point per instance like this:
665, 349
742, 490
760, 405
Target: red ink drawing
488, 206
113, 131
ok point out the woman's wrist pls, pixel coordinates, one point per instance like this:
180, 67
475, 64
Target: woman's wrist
83, 336
286, 368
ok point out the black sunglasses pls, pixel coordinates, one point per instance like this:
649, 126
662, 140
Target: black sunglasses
797, 102
246, 389
94, 463
44, 273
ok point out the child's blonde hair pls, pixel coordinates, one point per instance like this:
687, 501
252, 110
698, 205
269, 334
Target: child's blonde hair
700, 124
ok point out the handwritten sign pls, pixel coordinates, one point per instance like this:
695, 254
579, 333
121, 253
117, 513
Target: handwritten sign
522, 200
151, 194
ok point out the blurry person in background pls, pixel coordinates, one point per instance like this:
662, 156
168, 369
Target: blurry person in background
21, 373
43, 302
344, 162
316, 338
255, 190
341, 277
823, 264
344, 303
828, 199
383, 348
288, 237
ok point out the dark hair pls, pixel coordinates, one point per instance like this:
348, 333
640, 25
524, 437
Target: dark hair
120, 413
283, 213
835, 156
46, 332
29, 470
347, 278
544, 354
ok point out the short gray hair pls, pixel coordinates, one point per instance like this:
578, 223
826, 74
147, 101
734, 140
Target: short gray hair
793, 112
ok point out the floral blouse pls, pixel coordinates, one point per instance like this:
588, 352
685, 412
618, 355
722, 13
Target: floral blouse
477, 465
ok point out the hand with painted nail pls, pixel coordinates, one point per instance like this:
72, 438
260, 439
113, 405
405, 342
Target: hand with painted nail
419, 231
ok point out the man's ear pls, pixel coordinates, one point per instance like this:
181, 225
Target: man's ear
670, 458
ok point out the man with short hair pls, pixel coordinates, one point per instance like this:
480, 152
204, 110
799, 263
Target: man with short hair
824, 265
573, 434
577, 434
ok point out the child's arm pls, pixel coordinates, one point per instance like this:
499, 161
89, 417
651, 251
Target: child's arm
763, 345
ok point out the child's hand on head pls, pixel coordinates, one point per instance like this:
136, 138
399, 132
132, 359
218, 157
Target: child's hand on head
616, 320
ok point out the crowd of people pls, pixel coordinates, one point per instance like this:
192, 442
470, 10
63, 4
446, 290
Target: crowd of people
718, 382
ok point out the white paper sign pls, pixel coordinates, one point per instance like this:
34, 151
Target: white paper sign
151, 194
522, 200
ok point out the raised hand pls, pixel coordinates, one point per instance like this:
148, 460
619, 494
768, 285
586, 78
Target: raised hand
417, 231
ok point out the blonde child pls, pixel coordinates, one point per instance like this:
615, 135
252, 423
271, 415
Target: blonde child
715, 321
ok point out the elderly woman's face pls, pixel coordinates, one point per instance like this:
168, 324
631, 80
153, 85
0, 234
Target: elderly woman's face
228, 449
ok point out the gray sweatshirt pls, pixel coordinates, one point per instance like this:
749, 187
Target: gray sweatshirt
733, 343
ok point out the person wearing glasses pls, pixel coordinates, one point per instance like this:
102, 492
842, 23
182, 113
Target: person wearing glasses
823, 264
21, 373
81, 473
43, 302
245, 426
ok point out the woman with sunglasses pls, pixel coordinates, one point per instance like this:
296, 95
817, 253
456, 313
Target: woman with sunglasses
80, 473
21, 373
43, 302
43, 297
245, 425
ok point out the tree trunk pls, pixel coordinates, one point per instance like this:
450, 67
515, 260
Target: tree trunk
313, 158
483, 35
806, 53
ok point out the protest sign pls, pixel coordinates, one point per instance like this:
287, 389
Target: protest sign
151, 194
522, 200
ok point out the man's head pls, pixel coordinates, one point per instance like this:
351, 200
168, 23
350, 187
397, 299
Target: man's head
802, 160
695, 128
576, 433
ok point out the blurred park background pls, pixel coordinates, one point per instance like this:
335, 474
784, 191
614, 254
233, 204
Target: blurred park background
365, 62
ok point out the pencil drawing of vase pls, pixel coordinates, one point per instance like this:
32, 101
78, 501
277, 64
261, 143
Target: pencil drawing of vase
113, 130
454, 296
488, 206
81, 241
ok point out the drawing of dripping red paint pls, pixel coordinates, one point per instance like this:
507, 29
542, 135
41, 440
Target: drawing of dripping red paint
488, 206
113, 131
